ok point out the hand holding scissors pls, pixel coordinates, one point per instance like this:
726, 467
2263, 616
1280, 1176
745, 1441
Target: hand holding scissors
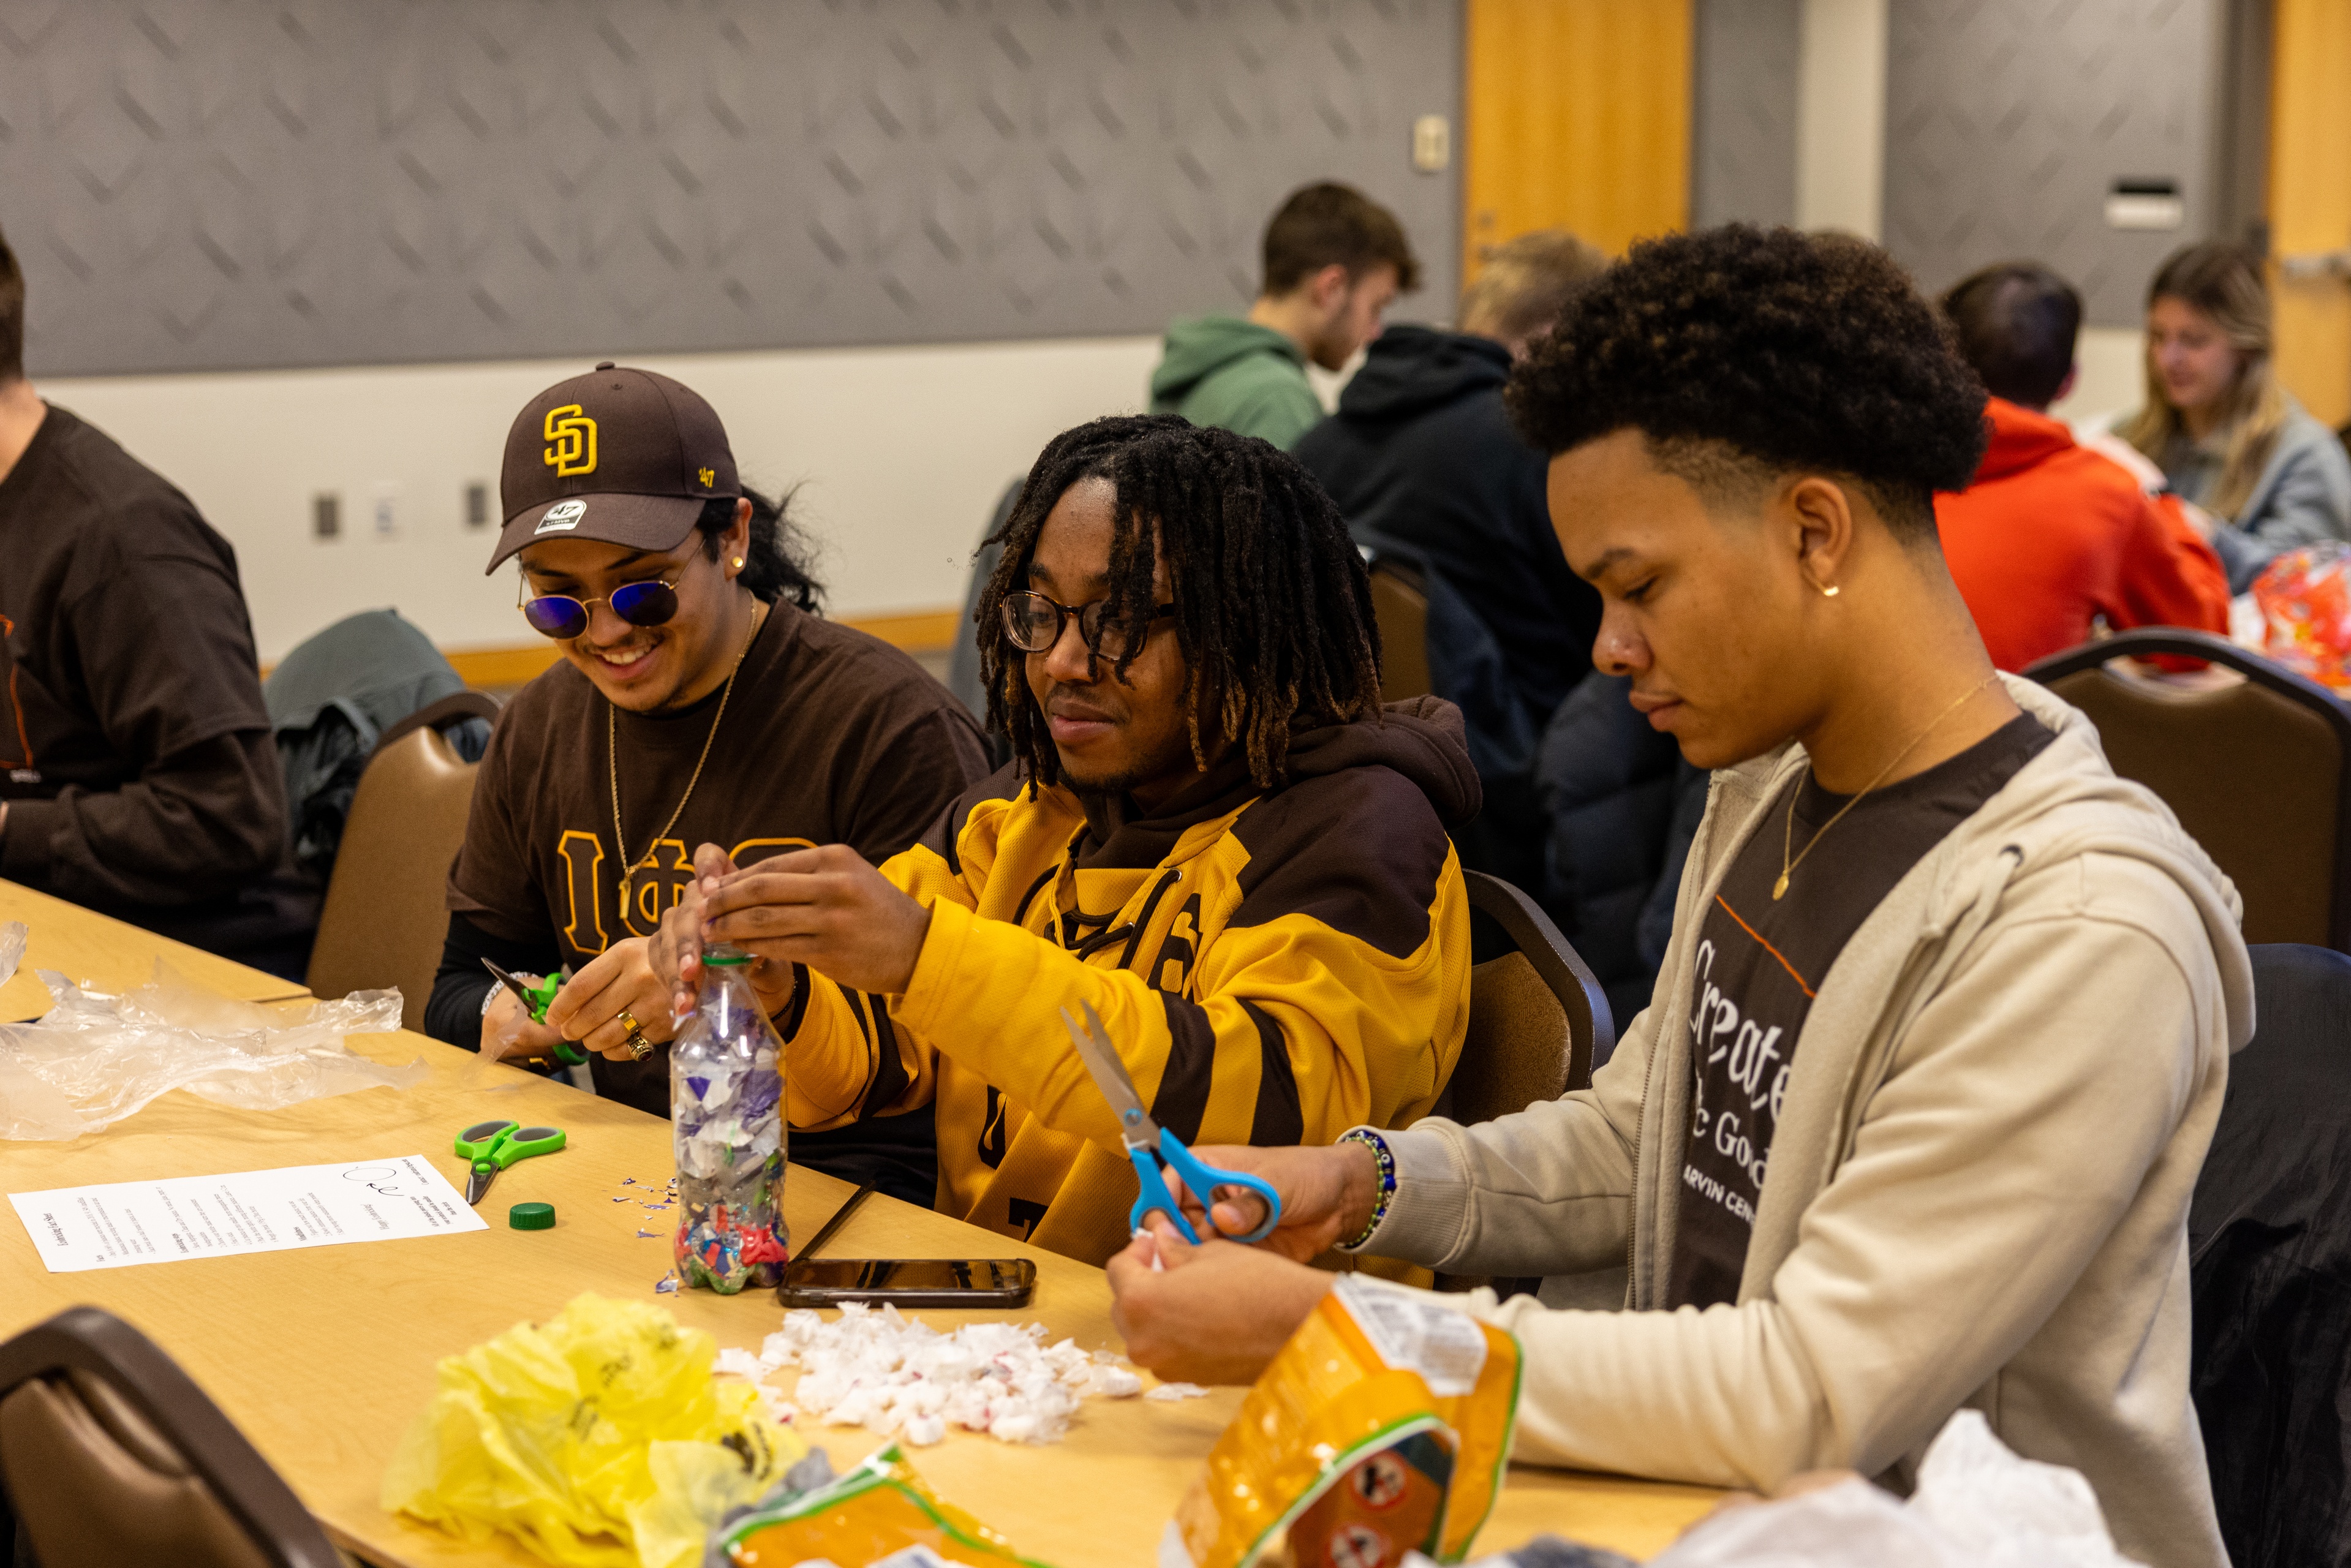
1153, 1148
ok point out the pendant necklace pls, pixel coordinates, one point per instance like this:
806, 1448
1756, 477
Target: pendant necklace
1788, 839
629, 868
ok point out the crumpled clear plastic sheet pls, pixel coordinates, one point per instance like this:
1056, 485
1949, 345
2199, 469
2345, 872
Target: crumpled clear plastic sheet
1977, 1505
597, 1439
12, 950
93, 1058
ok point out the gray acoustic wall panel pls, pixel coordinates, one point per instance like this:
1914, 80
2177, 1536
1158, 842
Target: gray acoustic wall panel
1743, 112
2008, 121
211, 183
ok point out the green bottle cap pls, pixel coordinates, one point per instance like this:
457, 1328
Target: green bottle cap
531, 1217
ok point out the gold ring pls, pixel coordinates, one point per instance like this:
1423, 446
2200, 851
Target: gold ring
628, 1021
639, 1046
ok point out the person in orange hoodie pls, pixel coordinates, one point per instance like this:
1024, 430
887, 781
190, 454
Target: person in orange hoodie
2053, 537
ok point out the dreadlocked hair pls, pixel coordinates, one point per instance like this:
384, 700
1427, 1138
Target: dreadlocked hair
1273, 607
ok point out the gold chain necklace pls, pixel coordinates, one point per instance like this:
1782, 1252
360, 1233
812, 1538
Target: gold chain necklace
612, 759
1788, 839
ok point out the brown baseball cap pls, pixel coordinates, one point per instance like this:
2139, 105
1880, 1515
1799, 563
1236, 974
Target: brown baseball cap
622, 456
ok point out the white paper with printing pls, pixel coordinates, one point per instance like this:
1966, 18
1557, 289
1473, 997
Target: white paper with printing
123, 1223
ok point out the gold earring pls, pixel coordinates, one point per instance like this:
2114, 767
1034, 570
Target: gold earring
739, 563
1825, 592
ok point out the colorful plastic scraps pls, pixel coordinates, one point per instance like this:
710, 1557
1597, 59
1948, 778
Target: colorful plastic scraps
2305, 603
727, 1125
597, 1439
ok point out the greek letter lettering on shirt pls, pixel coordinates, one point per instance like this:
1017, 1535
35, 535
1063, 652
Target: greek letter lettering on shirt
592, 891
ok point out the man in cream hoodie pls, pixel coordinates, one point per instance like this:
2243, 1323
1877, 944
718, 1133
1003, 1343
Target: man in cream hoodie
1915, 1113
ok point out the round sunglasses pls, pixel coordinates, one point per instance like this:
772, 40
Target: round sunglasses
561, 616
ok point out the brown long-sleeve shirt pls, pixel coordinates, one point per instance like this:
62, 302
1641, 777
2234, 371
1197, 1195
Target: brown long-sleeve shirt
135, 754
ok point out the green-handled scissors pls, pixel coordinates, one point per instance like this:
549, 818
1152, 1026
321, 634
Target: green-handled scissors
492, 1146
536, 1000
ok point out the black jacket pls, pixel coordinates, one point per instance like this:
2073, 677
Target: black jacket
1425, 465
1421, 456
2269, 1240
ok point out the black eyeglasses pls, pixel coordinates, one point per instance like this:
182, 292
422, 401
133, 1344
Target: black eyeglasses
1033, 624
561, 616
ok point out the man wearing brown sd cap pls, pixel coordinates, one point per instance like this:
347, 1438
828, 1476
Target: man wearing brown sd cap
700, 699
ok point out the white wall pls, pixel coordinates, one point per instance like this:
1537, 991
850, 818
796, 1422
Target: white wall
2109, 377
902, 453
1841, 117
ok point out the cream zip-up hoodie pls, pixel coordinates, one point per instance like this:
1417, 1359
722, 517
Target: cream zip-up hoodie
1978, 1191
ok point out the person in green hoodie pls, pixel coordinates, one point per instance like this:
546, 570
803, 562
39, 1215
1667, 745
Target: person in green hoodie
1335, 259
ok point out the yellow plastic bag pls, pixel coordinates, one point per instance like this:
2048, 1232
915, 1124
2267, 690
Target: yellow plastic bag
599, 1440
1379, 1399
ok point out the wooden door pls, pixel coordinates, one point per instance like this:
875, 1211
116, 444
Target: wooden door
1577, 114
2310, 199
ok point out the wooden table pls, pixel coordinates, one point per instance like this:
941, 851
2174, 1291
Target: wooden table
85, 946
324, 1357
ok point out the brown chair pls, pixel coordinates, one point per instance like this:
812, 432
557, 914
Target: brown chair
112, 1455
1537, 1015
386, 913
2258, 771
1400, 610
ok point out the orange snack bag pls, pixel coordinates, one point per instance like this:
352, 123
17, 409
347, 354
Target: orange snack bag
1374, 1373
880, 1508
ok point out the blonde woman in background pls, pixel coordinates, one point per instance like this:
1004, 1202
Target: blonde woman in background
2226, 435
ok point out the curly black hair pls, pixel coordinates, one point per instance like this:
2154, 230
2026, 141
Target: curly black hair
776, 562
1792, 350
1273, 607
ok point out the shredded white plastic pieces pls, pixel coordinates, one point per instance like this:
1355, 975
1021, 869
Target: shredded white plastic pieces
1168, 1393
893, 1377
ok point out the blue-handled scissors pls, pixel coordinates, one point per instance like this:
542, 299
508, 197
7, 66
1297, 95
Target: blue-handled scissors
1153, 1148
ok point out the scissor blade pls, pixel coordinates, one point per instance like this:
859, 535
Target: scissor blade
1092, 1043
478, 1180
510, 982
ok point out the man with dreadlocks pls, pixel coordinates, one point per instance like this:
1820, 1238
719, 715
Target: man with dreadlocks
1210, 830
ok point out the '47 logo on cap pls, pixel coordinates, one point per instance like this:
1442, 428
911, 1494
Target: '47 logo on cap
561, 516
572, 435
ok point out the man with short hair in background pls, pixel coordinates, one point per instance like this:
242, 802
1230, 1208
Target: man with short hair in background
1426, 468
1335, 259
138, 775
2051, 537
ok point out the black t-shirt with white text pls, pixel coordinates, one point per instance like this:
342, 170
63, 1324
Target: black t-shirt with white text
1760, 961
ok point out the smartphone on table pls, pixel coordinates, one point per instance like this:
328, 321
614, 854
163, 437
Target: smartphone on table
908, 1281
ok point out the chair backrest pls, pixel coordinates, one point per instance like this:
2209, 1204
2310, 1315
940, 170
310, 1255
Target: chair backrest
112, 1455
1400, 609
387, 913
2258, 771
1536, 1014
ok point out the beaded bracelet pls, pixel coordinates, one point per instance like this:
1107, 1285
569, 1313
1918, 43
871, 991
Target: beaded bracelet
1386, 1161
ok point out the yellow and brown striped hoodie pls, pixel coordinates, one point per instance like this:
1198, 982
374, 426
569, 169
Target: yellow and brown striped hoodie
1274, 967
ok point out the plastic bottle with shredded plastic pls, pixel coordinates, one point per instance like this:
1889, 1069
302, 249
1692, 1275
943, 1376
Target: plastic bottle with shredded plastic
726, 1115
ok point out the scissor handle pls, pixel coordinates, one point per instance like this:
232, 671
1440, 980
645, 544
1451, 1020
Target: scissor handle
480, 1140
525, 1142
1155, 1196
1205, 1181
